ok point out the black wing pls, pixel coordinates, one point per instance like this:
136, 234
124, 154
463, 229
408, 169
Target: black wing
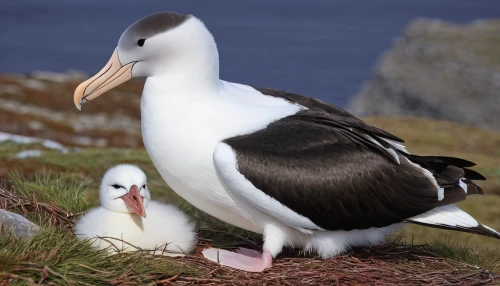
331, 175
340, 116
447, 171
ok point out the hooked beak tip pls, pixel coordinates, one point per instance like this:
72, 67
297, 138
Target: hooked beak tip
110, 76
78, 103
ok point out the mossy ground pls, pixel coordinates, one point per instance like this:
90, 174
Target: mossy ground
56, 257
70, 182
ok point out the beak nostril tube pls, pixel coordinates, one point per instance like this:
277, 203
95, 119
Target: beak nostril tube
135, 201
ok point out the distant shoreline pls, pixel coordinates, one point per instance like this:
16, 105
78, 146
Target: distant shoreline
325, 49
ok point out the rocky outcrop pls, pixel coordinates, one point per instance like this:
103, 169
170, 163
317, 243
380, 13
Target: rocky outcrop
17, 224
438, 70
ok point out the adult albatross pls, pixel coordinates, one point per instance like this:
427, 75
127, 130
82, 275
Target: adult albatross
301, 172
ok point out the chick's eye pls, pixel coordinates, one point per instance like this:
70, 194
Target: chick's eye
143, 187
140, 43
116, 186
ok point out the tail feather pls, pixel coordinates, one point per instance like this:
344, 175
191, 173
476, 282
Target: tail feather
453, 218
455, 181
452, 196
472, 188
452, 175
473, 175
457, 162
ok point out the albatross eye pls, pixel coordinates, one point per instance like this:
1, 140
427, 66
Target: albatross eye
116, 186
140, 43
143, 187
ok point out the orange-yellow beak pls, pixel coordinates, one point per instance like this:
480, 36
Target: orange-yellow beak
113, 74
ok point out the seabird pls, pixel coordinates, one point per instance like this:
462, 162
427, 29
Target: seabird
299, 171
120, 223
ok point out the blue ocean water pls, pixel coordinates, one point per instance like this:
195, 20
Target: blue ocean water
322, 48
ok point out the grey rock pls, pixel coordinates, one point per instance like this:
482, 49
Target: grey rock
17, 224
438, 70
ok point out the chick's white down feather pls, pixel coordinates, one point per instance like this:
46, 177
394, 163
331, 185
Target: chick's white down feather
165, 230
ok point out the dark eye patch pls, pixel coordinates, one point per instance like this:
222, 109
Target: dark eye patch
141, 42
143, 187
116, 186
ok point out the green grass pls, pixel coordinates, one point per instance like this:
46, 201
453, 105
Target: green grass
70, 181
423, 136
56, 256
453, 249
451, 245
64, 190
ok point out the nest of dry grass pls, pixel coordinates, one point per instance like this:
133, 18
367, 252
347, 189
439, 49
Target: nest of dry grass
390, 264
384, 265
31, 207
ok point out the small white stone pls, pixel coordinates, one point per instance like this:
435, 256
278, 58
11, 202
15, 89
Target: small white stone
33, 153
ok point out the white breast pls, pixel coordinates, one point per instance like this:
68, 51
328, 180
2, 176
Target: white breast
181, 129
165, 227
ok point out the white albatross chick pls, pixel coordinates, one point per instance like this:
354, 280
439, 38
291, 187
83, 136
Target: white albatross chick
120, 223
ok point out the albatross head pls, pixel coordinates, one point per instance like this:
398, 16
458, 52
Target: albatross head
162, 44
124, 190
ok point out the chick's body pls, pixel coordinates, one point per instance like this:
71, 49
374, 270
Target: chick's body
165, 230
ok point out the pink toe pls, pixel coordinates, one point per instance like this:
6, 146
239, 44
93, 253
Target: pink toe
249, 252
239, 260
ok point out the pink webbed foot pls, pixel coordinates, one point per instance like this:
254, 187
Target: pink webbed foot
249, 252
244, 259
